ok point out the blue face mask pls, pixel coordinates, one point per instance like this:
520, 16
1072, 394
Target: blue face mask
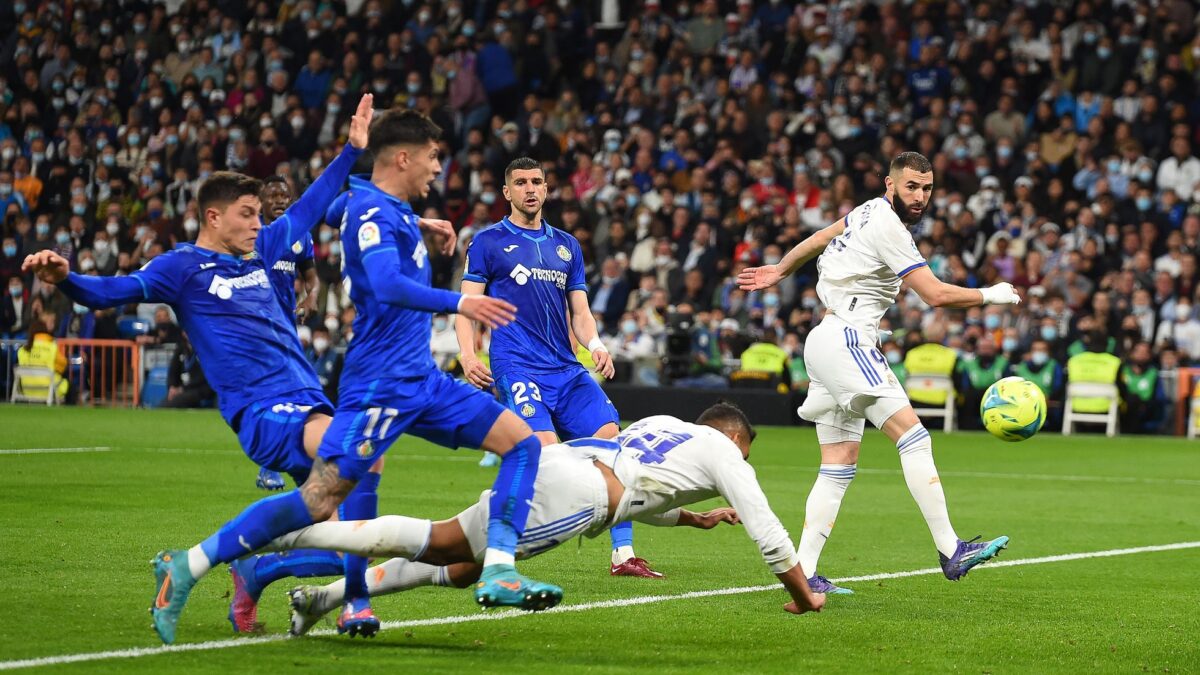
1145, 176
79, 209
1104, 52
1004, 151
10, 250
1049, 333
960, 152
771, 301
1039, 358
1144, 203
991, 322
1114, 166
629, 326
1009, 344
325, 236
62, 238
42, 229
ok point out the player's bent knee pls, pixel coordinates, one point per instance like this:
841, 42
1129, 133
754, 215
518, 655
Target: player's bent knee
840, 453
506, 432
447, 544
609, 430
899, 422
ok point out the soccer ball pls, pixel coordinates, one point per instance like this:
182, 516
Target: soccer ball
1013, 409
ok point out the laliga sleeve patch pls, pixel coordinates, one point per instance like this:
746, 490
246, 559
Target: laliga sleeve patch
368, 236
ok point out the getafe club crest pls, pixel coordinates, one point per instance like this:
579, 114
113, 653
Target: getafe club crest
365, 449
527, 410
564, 253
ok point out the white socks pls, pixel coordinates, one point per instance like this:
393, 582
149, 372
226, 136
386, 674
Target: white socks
383, 537
494, 556
916, 459
621, 553
391, 576
820, 512
198, 563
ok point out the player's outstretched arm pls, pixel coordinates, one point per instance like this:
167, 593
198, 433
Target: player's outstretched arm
464, 329
758, 278
310, 208
94, 292
937, 293
583, 325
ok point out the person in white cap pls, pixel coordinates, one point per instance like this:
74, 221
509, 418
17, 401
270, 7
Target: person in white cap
864, 258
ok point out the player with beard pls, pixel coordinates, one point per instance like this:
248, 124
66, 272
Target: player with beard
863, 259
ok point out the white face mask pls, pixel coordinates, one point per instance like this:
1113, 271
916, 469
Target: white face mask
331, 324
643, 219
320, 344
112, 229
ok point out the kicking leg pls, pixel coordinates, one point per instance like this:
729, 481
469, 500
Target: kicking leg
916, 459
177, 571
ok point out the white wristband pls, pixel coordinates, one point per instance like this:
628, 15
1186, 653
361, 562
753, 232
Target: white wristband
596, 344
458, 307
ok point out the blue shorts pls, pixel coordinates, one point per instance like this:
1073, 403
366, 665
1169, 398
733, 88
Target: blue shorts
569, 403
272, 432
435, 407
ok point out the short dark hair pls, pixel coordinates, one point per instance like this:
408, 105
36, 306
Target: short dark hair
225, 187
522, 164
910, 160
271, 180
401, 127
726, 416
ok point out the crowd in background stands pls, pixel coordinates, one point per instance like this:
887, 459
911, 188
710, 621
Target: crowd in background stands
681, 140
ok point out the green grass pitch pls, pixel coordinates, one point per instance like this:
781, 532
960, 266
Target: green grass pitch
78, 528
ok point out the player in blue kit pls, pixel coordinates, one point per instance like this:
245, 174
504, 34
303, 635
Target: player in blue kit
390, 384
539, 269
277, 198
247, 344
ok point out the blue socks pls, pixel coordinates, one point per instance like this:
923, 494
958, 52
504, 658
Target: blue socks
301, 564
361, 504
253, 528
622, 534
512, 493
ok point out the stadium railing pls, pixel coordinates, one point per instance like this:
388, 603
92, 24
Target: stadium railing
104, 372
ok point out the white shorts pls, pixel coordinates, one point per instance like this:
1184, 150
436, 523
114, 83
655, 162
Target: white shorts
570, 498
850, 382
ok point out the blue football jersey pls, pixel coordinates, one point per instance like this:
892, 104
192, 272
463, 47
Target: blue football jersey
385, 264
534, 270
247, 343
283, 273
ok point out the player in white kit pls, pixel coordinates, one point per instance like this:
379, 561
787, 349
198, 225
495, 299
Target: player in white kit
647, 473
864, 257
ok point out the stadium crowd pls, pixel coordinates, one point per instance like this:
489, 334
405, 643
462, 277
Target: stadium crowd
682, 141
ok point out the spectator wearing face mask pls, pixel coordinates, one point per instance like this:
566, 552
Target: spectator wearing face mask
1182, 331
1042, 369
631, 344
1142, 392
16, 311
186, 385
10, 195
975, 376
325, 359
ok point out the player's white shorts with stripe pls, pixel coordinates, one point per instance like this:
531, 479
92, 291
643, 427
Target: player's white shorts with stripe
570, 498
850, 381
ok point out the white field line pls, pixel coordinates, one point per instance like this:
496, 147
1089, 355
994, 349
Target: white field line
52, 451
1052, 477
581, 607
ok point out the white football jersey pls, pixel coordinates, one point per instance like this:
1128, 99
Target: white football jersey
860, 270
665, 463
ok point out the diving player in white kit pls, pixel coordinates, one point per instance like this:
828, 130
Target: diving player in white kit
583, 487
864, 257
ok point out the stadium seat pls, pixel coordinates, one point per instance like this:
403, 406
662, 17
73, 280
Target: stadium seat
930, 384
31, 384
154, 391
1092, 394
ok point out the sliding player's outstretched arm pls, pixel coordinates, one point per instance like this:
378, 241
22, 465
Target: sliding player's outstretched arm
97, 292
758, 278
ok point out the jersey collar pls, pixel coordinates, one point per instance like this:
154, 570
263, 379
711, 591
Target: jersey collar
363, 182
535, 236
209, 253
